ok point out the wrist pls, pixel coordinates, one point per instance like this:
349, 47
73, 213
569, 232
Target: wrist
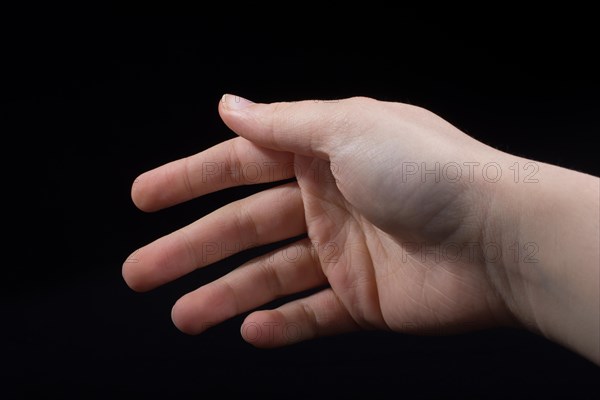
547, 231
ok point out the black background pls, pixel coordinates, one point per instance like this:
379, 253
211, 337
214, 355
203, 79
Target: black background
104, 97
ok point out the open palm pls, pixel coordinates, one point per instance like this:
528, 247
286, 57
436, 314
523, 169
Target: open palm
395, 248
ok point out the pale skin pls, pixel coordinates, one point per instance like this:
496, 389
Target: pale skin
487, 239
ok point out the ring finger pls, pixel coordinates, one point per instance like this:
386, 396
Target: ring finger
288, 270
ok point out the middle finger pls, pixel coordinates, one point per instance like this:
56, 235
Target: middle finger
265, 217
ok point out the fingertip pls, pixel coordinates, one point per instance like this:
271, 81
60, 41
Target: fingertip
234, 111
131, 275
231, 102
264, 329
181, 315
139, 195
250, 329
178, 316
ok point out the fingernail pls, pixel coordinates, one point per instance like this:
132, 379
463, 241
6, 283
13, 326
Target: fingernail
235, 103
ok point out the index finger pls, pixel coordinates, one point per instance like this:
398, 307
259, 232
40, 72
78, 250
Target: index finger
231, 163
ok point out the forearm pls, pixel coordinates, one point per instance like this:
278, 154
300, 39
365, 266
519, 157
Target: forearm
549, 232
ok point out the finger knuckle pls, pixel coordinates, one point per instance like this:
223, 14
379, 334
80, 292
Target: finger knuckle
354, 116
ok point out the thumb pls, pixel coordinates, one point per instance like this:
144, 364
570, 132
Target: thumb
311, 128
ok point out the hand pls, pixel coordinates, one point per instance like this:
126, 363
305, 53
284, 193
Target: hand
399, 207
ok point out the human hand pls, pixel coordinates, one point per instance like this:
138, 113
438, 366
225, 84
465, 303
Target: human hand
396, 208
